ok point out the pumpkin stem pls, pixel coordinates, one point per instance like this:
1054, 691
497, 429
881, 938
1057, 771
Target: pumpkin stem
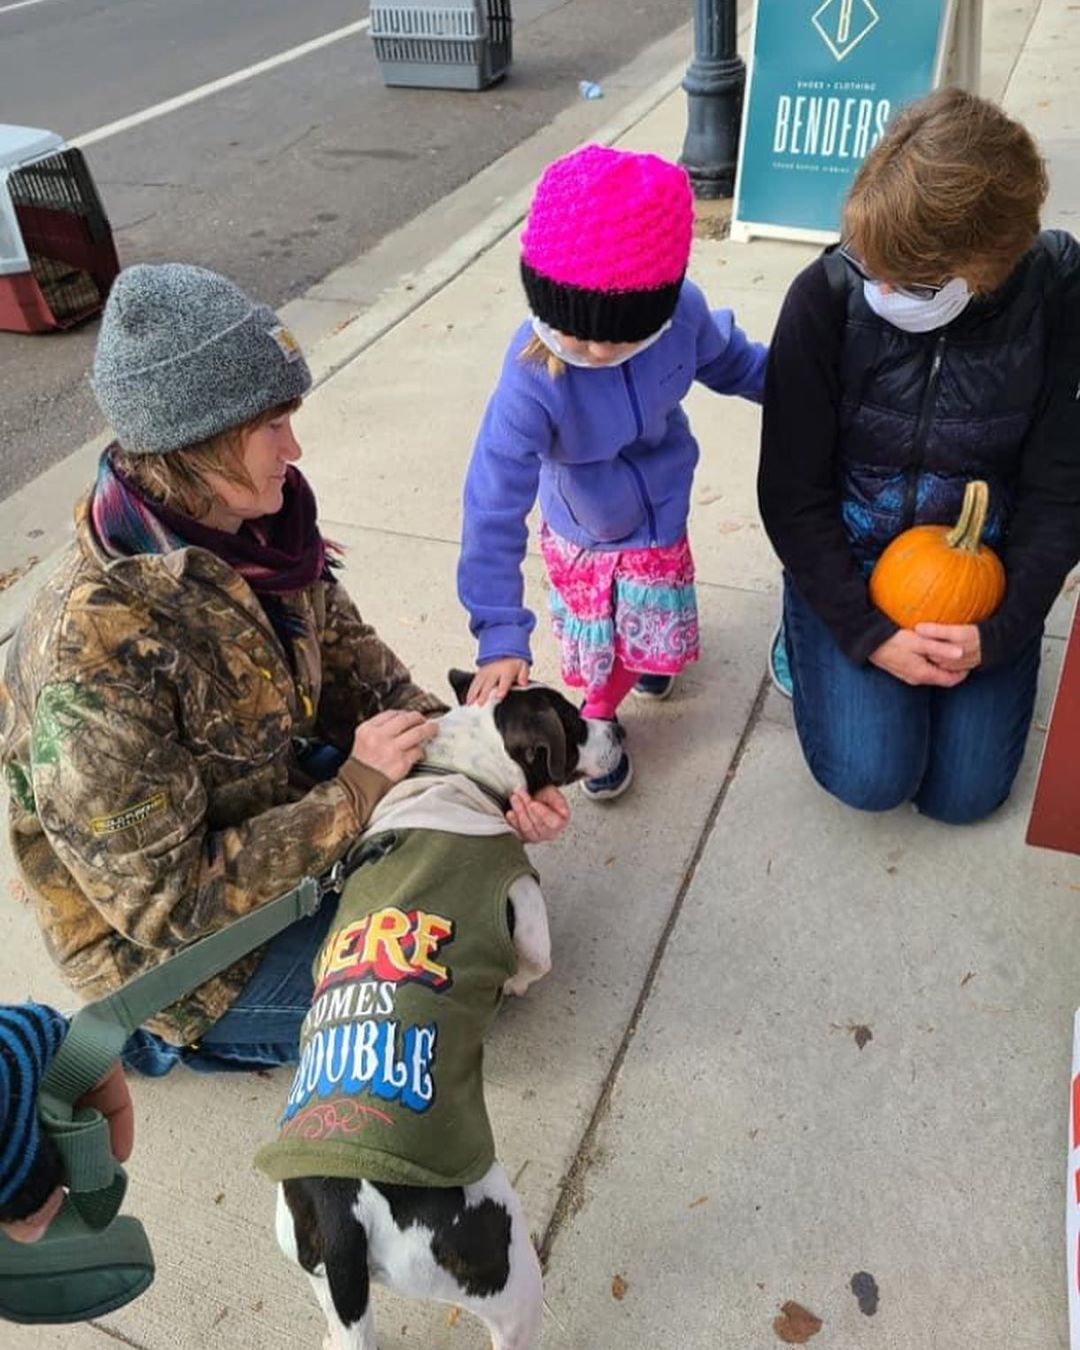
968, 529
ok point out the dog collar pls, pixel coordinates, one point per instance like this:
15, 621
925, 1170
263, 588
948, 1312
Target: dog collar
423, 770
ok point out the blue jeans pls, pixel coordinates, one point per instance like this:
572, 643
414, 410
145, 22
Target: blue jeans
875, 742
262, 1028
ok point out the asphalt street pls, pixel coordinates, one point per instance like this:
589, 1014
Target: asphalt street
276, 180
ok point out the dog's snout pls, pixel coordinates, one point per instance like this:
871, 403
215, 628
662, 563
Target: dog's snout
602, 751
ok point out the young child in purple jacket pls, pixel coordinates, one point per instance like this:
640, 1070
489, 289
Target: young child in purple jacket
587, 415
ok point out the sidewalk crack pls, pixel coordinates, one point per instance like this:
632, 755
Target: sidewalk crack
118, 1336
571, 1193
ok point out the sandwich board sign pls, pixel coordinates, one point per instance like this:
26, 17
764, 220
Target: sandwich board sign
825, 77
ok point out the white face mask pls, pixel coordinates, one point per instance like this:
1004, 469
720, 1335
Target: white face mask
550, 339
918, 316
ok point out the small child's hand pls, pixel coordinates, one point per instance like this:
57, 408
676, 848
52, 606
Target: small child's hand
497, 678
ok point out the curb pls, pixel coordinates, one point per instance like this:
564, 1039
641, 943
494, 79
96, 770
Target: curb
58, 487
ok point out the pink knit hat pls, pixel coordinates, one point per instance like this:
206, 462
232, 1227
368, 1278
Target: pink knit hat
606, 244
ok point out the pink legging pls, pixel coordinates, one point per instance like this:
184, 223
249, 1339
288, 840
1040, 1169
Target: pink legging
604, 702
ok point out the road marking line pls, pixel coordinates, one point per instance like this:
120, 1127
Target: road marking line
215, 86
22, 4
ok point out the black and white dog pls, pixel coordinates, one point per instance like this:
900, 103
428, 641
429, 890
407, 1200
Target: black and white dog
467, 1245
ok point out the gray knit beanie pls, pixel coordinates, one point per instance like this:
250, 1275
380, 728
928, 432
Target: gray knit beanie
183, 354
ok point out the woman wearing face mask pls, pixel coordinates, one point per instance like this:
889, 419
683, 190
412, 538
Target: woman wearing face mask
938, 343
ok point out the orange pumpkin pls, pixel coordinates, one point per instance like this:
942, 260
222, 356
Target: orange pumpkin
934, 574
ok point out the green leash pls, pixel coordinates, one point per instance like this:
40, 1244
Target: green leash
90, 1262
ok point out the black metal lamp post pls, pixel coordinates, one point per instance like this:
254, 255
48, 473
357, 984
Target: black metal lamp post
714, 84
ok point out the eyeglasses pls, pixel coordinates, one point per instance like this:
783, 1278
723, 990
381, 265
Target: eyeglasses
917, 291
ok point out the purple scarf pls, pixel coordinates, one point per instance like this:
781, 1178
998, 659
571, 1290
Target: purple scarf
275, 554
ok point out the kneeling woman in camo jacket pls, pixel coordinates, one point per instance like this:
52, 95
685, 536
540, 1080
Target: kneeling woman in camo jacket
194, 715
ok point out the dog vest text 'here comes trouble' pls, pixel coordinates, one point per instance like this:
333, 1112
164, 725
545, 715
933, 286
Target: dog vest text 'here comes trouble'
390, 1083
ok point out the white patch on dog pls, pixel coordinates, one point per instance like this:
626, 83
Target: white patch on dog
402, 1260
469, 742
531, 936
602, 750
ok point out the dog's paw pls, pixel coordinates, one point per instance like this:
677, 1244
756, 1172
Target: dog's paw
517, 985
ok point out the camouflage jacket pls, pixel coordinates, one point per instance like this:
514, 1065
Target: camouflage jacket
147, 718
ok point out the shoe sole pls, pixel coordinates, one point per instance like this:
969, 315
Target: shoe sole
653, 698
609, 794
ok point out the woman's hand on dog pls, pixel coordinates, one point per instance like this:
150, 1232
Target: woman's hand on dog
539, 819
497, 678
392, 742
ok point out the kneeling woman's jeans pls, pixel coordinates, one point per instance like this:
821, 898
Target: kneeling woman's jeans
875, 742
262, 1027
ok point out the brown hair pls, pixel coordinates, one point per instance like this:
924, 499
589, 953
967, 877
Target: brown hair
536, 351
179, 479
953, 188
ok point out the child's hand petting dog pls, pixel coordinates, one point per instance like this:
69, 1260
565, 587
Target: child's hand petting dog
497, 678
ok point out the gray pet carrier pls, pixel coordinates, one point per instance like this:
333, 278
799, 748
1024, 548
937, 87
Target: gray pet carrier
442, 44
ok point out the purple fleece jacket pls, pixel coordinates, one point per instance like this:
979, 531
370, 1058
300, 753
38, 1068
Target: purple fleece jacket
609, 451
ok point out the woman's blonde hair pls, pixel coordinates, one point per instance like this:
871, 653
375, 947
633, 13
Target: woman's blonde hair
536, 351
953, 188
178, 479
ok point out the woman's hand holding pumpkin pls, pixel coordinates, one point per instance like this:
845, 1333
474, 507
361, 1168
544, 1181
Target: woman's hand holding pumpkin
916, 658
962, 635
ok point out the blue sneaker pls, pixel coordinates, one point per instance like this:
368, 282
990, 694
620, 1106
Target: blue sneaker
779, 666
613, 784
655, 687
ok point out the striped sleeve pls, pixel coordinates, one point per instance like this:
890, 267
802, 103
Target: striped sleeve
30, 1034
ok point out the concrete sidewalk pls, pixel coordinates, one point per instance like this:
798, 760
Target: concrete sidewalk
783, 1043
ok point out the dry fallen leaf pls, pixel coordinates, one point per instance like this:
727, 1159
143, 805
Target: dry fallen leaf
219, 1197
10, 578
618, 1287
452, 1317
967, 978
796, 1324
699, 1201
859, 1030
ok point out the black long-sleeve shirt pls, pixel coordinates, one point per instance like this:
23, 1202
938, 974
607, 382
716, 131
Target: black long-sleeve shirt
799, 488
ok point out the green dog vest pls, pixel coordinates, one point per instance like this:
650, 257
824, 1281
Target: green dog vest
390, 1081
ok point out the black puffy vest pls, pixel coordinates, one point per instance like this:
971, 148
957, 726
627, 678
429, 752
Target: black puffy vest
921, 414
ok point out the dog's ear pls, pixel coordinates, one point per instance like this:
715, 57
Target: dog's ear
460, 680
536, 740
553, 744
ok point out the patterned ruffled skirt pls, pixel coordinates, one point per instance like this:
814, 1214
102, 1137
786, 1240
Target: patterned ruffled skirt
637, 605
